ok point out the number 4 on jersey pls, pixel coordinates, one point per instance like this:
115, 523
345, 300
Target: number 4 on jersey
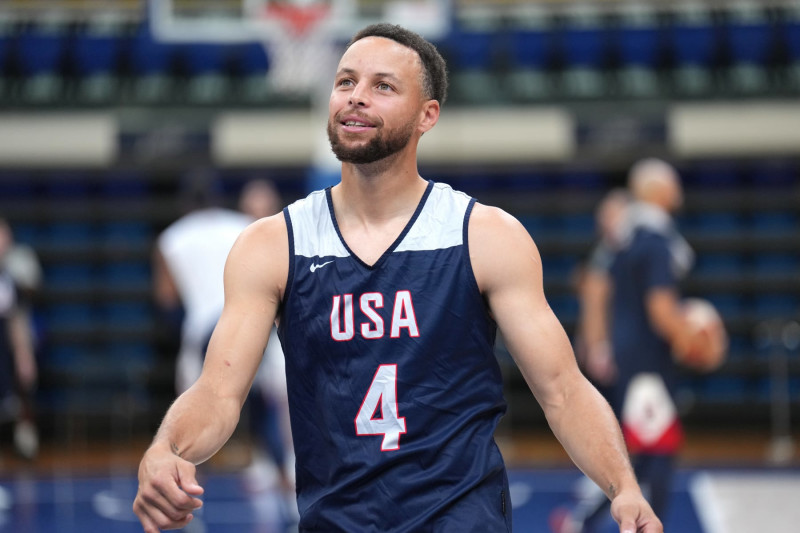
382, 394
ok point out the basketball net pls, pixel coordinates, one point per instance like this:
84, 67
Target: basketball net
301, 50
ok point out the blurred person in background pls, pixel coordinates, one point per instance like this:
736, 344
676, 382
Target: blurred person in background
20, 275
188, 264
631, 326
592, 346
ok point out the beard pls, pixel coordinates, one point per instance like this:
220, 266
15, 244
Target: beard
379, 147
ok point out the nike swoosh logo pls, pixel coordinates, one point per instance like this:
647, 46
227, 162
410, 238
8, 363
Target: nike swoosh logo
314, 266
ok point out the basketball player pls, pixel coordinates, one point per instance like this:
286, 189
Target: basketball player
646, 326
388, 289
18, 367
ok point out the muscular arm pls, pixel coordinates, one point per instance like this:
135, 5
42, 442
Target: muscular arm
663, 310
202, 419
508, 269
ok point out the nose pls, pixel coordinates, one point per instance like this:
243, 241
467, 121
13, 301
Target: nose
358, 96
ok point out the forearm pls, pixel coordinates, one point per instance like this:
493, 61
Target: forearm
589, 432
198, 424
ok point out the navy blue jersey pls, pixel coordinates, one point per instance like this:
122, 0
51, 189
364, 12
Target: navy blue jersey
646, 263
394, 390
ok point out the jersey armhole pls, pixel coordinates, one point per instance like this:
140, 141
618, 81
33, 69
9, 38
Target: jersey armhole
290, 275
467, 262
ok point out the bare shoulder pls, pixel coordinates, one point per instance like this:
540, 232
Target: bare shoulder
260, 256
500, 246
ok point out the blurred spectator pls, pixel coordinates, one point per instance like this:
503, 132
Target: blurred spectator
632, 325
592, 347
20, 275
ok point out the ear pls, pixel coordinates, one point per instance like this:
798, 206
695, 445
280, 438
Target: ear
429, 115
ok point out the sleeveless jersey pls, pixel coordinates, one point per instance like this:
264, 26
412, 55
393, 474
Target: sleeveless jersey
394, 390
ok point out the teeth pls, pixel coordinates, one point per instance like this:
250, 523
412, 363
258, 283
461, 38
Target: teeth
354, 123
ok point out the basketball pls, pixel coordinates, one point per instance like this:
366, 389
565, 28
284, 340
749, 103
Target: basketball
709, 345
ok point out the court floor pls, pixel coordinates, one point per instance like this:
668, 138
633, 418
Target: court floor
704, 501
723, 486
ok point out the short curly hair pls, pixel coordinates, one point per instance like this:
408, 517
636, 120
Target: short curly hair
434, 82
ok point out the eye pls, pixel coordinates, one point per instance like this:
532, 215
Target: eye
383, 86
344, 82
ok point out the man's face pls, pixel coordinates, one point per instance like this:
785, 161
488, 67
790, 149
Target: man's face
376, 101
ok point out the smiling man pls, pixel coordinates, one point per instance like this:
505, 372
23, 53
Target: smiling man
388, 290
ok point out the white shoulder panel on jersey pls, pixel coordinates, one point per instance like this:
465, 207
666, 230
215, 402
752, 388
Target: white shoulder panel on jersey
440, 224
312, 228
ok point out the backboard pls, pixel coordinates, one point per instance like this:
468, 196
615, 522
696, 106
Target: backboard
248, 20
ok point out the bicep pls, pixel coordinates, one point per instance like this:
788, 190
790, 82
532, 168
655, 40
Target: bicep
255, 275
509, 272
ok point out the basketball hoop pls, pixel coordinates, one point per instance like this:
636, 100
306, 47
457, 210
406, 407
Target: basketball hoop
300, 18
300, 46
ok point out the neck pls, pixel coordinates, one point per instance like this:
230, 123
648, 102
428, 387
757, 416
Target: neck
380, 190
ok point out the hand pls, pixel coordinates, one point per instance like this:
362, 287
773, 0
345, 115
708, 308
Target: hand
634, 514
600, 365
167, 492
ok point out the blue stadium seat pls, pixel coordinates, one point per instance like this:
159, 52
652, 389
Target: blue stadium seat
749, 38
768, 306
71, 234
472, 47
40, 49
638, 39
775, 175
715, 175
721, 388
70, 315
748, 34
206, 65
585, 43
126, 232
68, 275
250, 63
124, 186
638, 43
586, 51
777, 263
96, 55
151, 62
578, 225
719, 264
709, 224
772, 222
127, 314
67, 187
530, 46
540, 225
18, 186
126, 272
692, 40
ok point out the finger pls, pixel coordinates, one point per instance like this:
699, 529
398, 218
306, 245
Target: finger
166, 501
153, 519
188, 482
173, 497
